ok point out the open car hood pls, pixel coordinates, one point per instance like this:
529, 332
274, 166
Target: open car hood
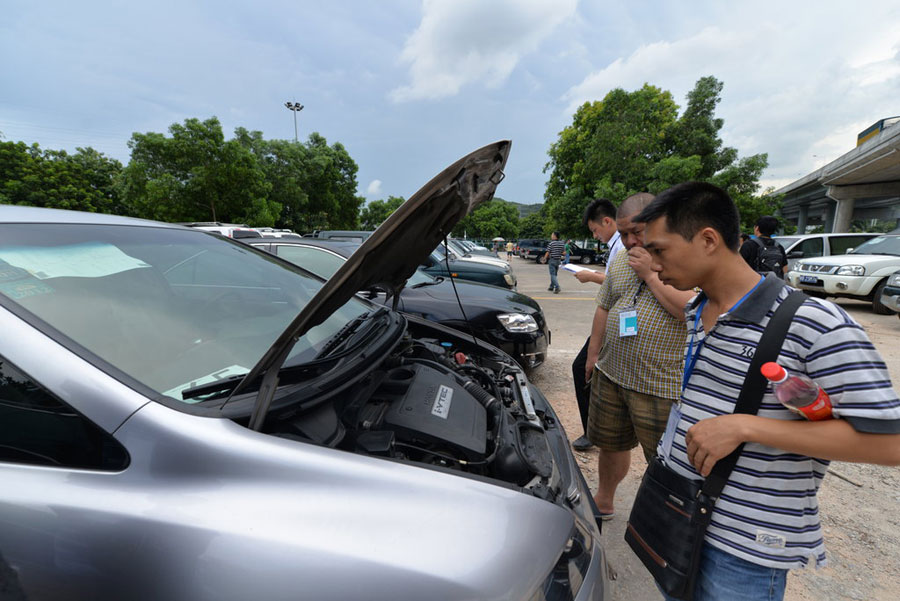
393, 252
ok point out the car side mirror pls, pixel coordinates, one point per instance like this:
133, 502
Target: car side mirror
795, 254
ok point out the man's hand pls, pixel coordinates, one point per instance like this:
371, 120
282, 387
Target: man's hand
589, 364
640, 261
712, 439
589, 275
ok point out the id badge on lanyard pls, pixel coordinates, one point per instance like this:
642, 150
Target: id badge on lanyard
628, 322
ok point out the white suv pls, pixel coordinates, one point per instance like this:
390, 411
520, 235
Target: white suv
808, 246
862, 273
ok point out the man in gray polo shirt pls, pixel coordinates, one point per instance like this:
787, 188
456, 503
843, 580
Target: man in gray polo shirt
766, 520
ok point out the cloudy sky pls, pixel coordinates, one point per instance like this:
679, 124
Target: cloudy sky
410, 86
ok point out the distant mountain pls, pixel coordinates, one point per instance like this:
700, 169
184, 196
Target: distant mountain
525, 210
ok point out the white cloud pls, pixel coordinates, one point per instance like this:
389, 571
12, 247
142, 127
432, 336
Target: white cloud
459, 42
796, 89
374, 188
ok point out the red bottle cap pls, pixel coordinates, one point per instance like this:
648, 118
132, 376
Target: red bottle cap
772, 371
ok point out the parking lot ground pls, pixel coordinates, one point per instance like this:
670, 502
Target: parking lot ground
860, 504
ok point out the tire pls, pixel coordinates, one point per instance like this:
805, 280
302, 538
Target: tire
585, 259
877, 307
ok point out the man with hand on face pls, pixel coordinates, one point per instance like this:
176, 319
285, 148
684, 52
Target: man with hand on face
600, 219
766, 520
639, 326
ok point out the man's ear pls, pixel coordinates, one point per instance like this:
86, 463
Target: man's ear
710, 239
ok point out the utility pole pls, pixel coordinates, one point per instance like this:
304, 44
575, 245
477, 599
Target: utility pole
295, 108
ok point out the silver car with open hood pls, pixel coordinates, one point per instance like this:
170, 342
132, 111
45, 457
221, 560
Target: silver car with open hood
183, 417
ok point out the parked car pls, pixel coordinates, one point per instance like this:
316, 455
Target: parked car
508, 320
890, 294
188, 418
808, 246
343, 235
467, 248
230, 230
861, 273
456, 251
586, 256
476, 269
532, 248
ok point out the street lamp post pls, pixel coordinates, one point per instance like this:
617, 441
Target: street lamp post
294, 107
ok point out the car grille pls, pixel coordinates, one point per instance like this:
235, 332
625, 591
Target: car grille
813, 267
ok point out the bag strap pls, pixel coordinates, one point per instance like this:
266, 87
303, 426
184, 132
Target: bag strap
755, 384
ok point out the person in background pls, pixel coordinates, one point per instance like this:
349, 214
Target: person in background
637, 346
553, 257
568, 251
600, 219
509, 250
744, 237
762, 253
766, 520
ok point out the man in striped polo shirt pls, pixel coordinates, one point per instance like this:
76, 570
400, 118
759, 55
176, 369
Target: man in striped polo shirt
553, 256
766, 520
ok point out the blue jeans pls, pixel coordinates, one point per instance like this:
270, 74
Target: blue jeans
554, 268
724, 577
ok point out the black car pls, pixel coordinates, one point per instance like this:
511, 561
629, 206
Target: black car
585, 256
509, 320
532, 248
476, 269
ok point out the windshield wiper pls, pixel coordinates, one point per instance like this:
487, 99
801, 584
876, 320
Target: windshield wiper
348, 330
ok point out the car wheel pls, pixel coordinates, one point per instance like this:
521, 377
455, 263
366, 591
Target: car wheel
586, 259
877, 306
542, 259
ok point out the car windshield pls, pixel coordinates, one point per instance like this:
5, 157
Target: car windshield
171, 308
882, 245
785, 241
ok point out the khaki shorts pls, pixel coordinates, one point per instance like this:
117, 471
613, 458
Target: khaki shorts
620, 418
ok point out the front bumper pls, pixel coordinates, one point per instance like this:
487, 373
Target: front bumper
890, 298
834, 285
529, 350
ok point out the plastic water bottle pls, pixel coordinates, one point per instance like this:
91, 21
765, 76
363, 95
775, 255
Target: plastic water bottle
798, 392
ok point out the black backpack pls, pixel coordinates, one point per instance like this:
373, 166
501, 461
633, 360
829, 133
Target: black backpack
769, 257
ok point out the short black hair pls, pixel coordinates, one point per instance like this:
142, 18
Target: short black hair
691, 206
598, 209
767, 225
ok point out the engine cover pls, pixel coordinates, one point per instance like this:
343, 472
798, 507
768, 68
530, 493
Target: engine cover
428, 408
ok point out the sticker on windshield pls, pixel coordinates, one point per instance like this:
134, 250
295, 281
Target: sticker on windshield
225, 372
88, 260
16, 283
441, 407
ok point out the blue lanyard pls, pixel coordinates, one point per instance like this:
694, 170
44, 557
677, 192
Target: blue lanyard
690, 357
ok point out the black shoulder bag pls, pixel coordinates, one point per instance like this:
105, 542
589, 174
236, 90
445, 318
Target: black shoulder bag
670, 514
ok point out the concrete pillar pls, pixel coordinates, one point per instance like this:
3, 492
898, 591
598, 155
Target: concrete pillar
829, 218
843, 215
802, 218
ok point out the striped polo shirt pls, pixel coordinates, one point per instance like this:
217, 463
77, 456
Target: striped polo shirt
556, 248
768, 513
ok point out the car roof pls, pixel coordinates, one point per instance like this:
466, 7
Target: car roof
339, 246
23, 214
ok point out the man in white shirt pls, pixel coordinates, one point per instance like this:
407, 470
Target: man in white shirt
600, 218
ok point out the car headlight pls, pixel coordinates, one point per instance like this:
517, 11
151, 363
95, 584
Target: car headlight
894, 280
851, 270
518, 322
510, 281
568, 574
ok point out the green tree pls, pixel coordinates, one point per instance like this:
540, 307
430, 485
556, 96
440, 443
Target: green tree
83, 181
377, 211
491, 219
635, 141
196, 175
533, 226
314, 183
